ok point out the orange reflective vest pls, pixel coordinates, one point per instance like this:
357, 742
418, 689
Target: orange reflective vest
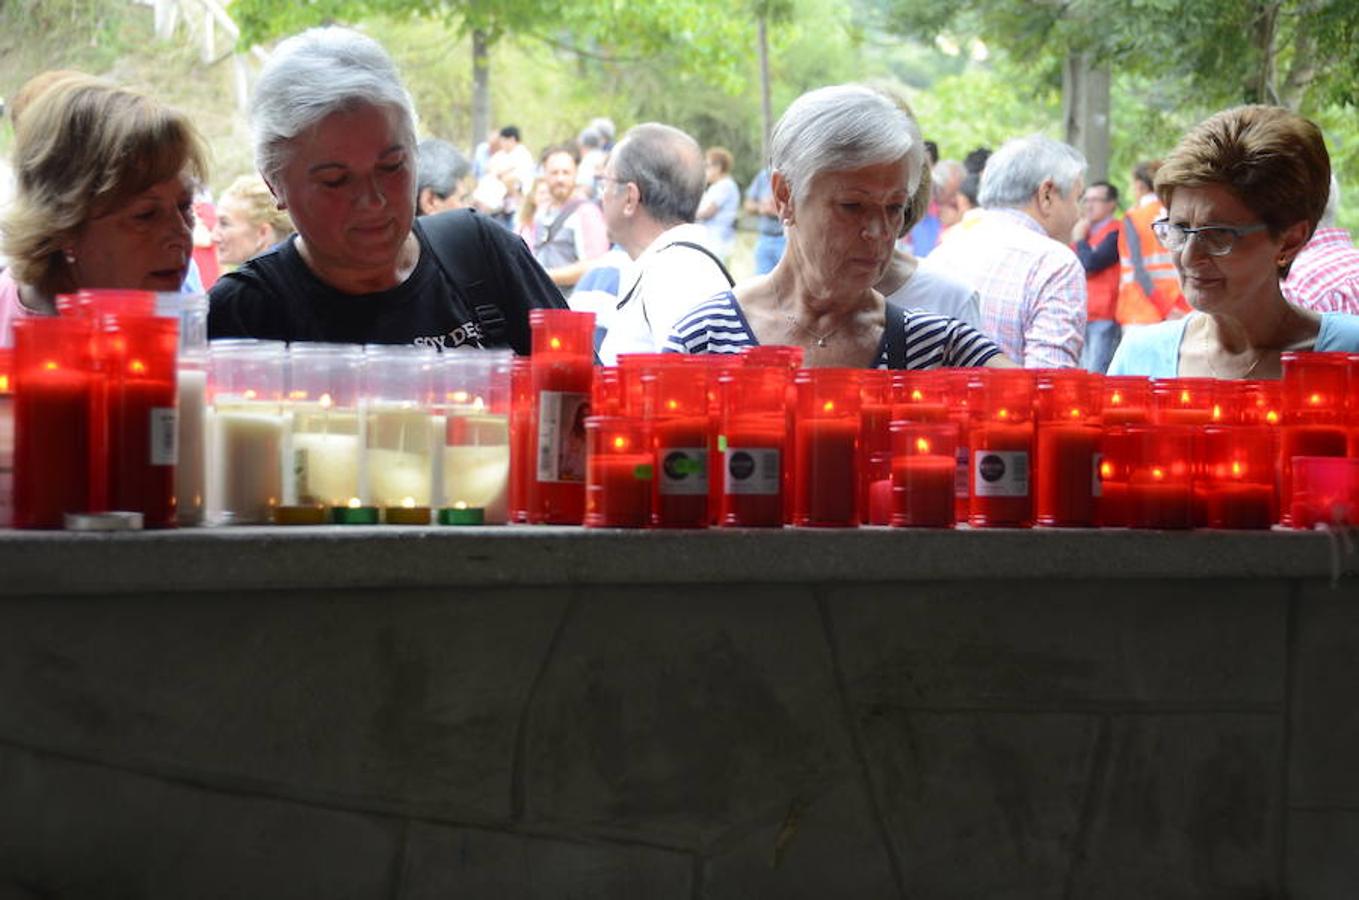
1101, 288
1148, 288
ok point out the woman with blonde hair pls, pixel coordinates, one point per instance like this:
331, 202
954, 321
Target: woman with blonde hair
105, 196
248, 221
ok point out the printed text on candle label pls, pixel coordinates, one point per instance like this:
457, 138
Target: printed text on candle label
753, 471
164, 436
1001, 473
684, 470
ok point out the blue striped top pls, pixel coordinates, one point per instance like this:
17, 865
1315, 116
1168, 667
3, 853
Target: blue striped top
932, 342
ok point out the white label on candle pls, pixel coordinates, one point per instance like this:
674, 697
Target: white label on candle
561, 436
960, 474
164, 436
753, 471
1096, 485
1001, 473
684, 470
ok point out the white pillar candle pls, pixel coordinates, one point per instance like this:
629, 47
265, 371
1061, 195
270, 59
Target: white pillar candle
246, 480
190, 471
477, 464
399, 457
323, 456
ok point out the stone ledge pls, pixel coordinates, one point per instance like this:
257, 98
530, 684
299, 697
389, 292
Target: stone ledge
250, 559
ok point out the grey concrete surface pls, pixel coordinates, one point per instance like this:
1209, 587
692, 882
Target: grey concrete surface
500, 713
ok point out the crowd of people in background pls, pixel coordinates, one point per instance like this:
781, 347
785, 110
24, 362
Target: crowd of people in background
860, 234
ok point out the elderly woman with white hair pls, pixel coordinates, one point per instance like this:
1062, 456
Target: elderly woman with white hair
846, 163
334, 138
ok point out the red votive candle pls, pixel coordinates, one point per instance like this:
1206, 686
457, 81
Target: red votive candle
137, 356
777, 355
754, 438
680, 434
956, 397
606, 393
619, 473
1068, 432
1236, 476
825, 484
1183, 401
1001, 444
1160, 476
563, 351
1325, 492
875, 446
521, 436
920, 396
54, 391
924, 465
1127, 400
1314, 395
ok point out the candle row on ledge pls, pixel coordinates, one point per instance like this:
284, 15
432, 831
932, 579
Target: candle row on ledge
752, 440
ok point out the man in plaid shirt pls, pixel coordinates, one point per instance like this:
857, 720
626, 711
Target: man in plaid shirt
1030, 284
1324, 276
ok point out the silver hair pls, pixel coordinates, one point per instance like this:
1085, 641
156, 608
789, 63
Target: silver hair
667, 166
1016, 171
947, 175
1332, 204
440, 167
846, 126
313, 75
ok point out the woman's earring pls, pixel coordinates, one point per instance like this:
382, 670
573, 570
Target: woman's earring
69, 255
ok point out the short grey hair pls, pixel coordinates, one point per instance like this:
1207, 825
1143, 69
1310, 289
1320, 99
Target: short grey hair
847, 126
1016, 171
313, 75
667, 166
439, 167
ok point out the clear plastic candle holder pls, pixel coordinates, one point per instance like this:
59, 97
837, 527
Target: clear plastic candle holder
247, 430
191, 469
403, 441
473, 391
325, 436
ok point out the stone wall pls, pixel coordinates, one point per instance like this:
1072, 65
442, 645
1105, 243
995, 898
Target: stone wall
519, 714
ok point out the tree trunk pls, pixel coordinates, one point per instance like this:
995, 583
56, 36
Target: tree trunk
481, 87
1085, 112
766, 105
1263, 30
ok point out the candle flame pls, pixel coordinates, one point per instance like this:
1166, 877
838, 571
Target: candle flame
917, 396
408, 502
50, 365
355, 503
297, 395
1217, 412
460, 396
828, 406
1237, 469
1116, 398
672, 404
4, 384
555, 343
1106, 470
1185, 398
461, 504
1075, 413
250, 394
1158, 473
1002, 414
1272, 417
620, 442
137, 367
1315, 399
478, 404
922, 445
326, 401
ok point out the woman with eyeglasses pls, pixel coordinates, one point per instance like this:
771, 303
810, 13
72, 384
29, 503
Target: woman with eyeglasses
1243, 192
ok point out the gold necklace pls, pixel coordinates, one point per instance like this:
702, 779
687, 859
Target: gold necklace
1208, 359
820, 338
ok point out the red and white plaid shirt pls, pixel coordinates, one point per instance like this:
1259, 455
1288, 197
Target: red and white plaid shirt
1325, 274
1031, 288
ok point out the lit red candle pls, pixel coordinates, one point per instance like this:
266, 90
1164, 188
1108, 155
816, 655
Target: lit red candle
754, 429
875, 446
1183, 401
1314, 410
1237, 476
825, 485
619, 473
1325, 491
1127, 400
1160, 476
1001, 444
54, 393
563, 350
1068, 432
923, 471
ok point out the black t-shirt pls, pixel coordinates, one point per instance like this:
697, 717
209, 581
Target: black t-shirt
276, 296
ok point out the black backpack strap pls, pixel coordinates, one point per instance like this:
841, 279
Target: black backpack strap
894, 336
731, 282
460, 250
556, 225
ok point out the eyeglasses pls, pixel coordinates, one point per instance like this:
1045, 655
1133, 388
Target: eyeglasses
1216, 240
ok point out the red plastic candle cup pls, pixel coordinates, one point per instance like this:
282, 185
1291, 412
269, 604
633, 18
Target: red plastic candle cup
1116, 452
776, 355
924, 465
1237, 476
521, 436
1160, 476
1314, 396
681, 434
563, 352
1067, 441
619, 473
1258, 402
826, 455
1127, 400
6, 437
1325, 491
137, 357
606, 394
1001, 445
875, 447
753, 446
1183, 401
91, 303
637, 382
54, 390
919, 396
956, 397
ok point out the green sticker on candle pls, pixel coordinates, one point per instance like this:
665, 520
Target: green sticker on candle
644, 472
721, 443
